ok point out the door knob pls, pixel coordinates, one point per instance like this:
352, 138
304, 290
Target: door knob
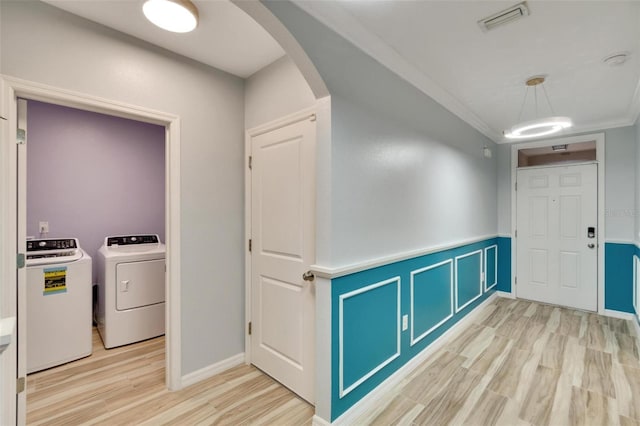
591, 245
308, 276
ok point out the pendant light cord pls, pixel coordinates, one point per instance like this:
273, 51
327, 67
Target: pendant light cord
523, 104
548, 101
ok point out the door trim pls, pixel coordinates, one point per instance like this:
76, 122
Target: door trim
599, 139
249, 134
10, 89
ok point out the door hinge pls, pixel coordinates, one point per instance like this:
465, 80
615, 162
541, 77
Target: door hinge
516, 282
20, 260
249, 328
20, 384
250, 162
21, 137
516, 233
250, 245
516, 186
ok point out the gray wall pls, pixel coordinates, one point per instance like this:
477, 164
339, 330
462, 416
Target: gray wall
620, 178
275, 91
405, 173
43, 44
91, 175
637, 191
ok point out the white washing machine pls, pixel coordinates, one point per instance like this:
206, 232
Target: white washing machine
59, 303
131, 289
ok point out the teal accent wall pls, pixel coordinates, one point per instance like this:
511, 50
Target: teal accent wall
504, 264
618, 276
368, 343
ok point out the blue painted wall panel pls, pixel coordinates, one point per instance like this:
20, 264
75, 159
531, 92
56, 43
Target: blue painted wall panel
491, 269
618, 276
372, 335
468, 281
504, 264
432, 298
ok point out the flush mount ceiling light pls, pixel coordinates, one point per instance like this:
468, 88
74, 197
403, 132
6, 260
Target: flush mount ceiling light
616, 59
178, 16
540, 126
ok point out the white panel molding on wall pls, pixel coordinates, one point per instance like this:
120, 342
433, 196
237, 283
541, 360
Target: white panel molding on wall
457, 259
488, 286
343, 297
424, 334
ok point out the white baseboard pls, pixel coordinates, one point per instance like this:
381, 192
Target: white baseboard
618, 314
371, 400
319, 421
506, 295
212, 370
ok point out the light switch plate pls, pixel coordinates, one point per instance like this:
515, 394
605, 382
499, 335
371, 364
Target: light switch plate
405, 322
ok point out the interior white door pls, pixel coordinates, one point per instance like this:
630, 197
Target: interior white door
557, 244
283, 248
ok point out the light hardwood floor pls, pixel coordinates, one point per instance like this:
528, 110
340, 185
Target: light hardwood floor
125, 386
525, 363
520, 363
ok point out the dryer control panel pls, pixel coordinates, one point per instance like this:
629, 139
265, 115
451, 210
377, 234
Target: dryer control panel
132, 239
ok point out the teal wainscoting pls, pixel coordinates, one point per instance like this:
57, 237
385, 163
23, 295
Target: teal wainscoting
504, 264
433, 291
618, 276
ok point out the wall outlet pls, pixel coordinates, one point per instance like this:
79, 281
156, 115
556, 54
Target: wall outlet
43, 227
405, 322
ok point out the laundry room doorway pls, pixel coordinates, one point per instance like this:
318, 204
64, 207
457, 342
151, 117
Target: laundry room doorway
165, 131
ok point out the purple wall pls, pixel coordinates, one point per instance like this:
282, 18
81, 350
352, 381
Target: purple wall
91, 175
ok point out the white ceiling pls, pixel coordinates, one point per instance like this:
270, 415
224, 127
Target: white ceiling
226, 37
438, 47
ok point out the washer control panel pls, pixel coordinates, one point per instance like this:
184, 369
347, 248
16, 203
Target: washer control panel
126, 240
52, 244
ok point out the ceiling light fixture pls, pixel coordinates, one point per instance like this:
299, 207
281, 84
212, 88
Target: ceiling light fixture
540, 126
178, 16
616, 59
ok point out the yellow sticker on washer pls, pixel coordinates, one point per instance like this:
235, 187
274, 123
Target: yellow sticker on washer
55, 280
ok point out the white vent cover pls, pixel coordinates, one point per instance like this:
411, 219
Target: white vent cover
510, 14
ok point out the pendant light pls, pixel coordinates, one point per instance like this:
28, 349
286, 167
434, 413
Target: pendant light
540, 126
178, 16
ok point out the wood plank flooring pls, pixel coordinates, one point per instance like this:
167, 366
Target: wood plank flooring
524, 363
520, 363
125, 386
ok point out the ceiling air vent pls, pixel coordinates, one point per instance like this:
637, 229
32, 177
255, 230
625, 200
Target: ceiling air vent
513, 13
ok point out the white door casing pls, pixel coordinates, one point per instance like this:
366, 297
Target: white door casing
22, 248
13, 205
557, 258
283, 248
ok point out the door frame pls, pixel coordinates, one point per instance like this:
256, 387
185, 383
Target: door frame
10, 89
599, 139
249, 134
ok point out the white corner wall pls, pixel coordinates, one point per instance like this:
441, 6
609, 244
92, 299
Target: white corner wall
277, 90
43, 44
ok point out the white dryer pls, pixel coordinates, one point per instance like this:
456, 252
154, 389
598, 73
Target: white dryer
58, 305
131, 289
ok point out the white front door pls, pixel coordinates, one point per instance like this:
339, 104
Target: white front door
283, 248
557, 245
